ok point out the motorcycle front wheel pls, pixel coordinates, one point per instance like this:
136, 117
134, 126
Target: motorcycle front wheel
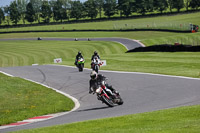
107, 101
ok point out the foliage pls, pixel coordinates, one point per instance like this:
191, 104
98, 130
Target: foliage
21, 6
143, 6
194, 4
126, 6
77, 10
100, 6
14, 13
46, 11
2, 17
91, 8
178, 4
160, 5
59, 11
110, 8
30, 13
37, 8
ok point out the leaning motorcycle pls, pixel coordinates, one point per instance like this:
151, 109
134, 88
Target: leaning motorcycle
104, 95
80, 64
96, 63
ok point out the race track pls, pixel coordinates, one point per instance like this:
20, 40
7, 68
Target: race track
140, 92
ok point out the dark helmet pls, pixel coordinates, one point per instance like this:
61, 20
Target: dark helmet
95, 53
93, 75
79, 52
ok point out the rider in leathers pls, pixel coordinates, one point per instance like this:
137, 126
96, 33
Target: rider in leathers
97, 80
79, 55
95, 55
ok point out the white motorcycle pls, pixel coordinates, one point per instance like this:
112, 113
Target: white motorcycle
95, 65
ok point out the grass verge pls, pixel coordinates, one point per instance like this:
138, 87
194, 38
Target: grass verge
43, 52
21, 99
182, 119
173, 22
146, 37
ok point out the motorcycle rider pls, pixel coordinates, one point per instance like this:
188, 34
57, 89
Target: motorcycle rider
99, 80
79, 55
95, 55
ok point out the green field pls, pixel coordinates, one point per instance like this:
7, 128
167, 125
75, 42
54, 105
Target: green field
21, 53
148, 37
21, 99
176, 22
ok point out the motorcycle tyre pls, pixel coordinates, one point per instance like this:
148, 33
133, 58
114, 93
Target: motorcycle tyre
80, 67
107, 101
121, 101
96, 69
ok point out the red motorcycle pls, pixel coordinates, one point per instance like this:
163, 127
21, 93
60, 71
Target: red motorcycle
108, 97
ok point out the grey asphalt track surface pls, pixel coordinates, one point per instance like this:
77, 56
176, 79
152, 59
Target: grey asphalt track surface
140, 92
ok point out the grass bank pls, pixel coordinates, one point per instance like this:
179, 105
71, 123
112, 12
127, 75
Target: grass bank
173, 22
148, 37
182, 119
43, 52
21, 99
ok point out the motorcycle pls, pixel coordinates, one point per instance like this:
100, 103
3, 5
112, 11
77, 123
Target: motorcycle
106, 96
80, 64
95, 65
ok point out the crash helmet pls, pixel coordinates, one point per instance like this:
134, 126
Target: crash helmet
95, 53
93, 75
79, 52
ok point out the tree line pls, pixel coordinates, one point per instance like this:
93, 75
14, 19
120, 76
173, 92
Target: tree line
59, 10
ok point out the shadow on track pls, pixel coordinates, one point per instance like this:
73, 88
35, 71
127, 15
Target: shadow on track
105, 107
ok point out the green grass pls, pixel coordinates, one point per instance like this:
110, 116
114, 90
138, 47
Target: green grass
21, 99
177, 120
148, 37
161, 22
20, 53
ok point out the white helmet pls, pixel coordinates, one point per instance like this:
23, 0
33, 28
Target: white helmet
93, 75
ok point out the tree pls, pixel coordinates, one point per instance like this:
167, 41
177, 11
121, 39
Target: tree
77, 10
91, 8
143, 6
7, 11
2, 17
125, 7
110, 7
59, 11
21, 6
160, 5
46, 11
15, 16
100, 6
30, 13
178, 4
194, 4
187, 2
170, 3
37, 4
